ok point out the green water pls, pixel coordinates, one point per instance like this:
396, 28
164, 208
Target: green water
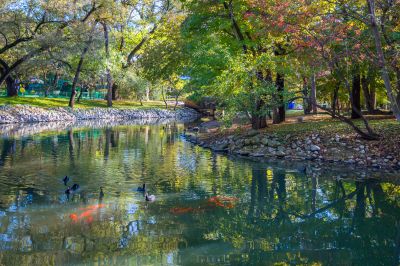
209, 210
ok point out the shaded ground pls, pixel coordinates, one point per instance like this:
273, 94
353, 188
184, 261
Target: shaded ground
336, 141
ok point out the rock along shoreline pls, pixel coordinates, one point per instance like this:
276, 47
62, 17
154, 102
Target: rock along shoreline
11, 114
334, 149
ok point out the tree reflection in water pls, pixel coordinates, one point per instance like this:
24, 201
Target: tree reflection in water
269, 213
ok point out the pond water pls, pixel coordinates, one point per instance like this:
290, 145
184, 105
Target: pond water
210, 209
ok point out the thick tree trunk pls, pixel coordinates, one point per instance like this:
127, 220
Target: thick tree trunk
115, 92
394, 101
313, 95
279, 112
12, 89
72, 97
8, 70
356, 99
258, 122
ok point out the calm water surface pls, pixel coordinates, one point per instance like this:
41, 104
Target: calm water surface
209, 210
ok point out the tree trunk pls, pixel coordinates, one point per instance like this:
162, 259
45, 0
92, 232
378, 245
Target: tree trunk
78, 72
258, 122
108, 71
163, 97
313, 96
335, 104
12, 89
279, 112
356, 99
176, 101
114, 91
55, 81
394, 101
397, 70
369, 94
306, 101
8, 70
147, 93
370, 133
72, 97
81, 93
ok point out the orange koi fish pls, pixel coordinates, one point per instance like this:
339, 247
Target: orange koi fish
222, 201
87, 214
182, 210
74, 217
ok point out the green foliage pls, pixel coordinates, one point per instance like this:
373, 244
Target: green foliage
133, 86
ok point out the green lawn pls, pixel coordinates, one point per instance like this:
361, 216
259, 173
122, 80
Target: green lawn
63, 102
333, 126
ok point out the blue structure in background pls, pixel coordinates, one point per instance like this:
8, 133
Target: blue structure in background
37, 88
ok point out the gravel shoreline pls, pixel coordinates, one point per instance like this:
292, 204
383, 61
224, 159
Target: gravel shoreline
10, 114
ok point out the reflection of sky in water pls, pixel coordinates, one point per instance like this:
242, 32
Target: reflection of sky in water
186, 162
131, 208
152, 220
170, 258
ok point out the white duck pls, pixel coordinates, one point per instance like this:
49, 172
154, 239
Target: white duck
149, 197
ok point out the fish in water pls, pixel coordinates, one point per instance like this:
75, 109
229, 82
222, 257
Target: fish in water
87, 213
74, 217
181, 210
222, 201
65, 180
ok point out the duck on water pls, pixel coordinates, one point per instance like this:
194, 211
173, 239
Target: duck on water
149, 197
74, 188
142, 188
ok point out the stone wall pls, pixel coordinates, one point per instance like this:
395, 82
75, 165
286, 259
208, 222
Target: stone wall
27, 114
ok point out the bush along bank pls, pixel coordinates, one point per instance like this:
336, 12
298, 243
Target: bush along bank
337, 149
28, 114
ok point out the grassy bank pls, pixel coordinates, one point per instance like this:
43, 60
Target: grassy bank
323, 124
382, 152
63, 102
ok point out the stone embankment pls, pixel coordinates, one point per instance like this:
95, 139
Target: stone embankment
28, 114
335, 149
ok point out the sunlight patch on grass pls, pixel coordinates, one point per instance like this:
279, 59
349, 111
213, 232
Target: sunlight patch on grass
63, 102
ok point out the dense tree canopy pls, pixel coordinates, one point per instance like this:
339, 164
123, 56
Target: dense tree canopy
252, 57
